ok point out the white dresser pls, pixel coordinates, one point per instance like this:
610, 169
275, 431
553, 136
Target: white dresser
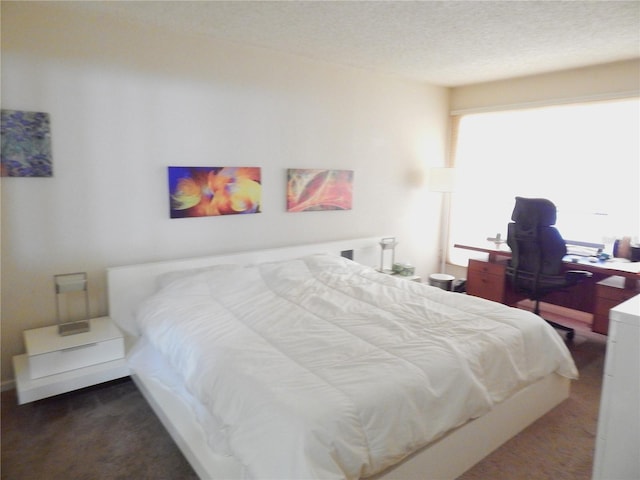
617, 455
55, 364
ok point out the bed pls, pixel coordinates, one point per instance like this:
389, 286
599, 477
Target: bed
301, 363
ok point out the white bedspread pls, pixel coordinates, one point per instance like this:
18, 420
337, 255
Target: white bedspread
322, 368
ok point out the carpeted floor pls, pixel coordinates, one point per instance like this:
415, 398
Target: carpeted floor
560, 445
102, 432
109, 432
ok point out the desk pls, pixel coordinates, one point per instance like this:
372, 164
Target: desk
611, 283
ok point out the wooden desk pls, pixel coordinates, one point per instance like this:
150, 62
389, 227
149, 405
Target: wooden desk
611, 284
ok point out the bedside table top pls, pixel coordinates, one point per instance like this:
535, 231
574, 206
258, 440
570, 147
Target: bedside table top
413, 278
46, 339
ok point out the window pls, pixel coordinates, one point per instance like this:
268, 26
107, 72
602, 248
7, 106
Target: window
583, 157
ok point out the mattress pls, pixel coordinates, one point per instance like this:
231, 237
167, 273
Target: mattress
322, 368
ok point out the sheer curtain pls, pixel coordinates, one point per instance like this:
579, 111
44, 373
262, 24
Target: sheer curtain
583, 157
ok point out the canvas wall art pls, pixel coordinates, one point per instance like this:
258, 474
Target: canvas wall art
315, 189
25, 139
213, 191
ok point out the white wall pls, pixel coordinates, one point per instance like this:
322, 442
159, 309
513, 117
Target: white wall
126, 102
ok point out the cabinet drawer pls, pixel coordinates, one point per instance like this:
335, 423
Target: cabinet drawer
615, 294
486, 280
614, 289
486, 267
75, 357
603, 305
600, 324
490, 287
610, 293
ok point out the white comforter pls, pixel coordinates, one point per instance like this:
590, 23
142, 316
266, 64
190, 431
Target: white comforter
322, 368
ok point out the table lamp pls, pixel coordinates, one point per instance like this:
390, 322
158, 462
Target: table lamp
387, 245
72, 303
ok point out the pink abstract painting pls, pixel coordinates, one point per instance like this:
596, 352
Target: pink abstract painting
315, 189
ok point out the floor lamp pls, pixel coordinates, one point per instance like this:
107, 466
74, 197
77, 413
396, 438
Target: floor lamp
442, 179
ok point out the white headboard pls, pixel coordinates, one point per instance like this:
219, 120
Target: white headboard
131, 284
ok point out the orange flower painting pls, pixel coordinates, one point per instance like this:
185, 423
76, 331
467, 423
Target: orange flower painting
212, 191
312, 189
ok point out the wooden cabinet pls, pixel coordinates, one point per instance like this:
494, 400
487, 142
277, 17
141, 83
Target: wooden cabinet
597, 295
486, 280
610, 292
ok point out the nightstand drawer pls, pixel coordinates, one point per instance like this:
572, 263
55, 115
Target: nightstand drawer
75, 357
49, 353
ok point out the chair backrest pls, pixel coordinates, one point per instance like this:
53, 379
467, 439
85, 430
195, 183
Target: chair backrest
536, 246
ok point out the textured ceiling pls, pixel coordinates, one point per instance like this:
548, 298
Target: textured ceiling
447, 43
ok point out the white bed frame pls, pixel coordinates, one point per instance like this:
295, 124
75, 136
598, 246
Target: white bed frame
446, 458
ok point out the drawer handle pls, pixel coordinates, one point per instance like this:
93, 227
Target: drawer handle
79, 347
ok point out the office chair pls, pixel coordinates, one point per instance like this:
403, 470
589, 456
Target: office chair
537, 250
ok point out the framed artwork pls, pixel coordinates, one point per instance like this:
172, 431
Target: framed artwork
25, 139
213, 191
315, 189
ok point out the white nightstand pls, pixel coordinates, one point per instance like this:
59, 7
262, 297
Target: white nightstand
411, 278
54, 364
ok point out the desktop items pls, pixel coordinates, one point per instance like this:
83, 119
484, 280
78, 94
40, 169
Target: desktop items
404, 269
497, 240
586, 249
622, 248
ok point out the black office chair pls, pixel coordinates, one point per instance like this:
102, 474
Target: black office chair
537, 250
